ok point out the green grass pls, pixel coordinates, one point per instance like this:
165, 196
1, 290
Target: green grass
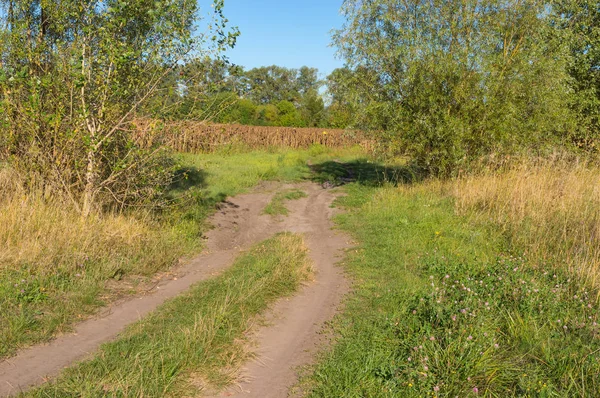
230, 174
196, 340
443, 307
56, 268
277, 205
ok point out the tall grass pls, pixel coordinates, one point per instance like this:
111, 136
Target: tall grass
548, 207
54, 265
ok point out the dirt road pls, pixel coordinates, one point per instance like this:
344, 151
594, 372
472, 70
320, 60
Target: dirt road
292, 337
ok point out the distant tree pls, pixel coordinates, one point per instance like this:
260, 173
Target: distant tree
270, 84
288, 115
343, 97
242, 111
266, 115
308, 82
312, 110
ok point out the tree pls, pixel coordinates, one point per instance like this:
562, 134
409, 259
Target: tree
288, 115
308, 81
70, 94
578, 24
450, 81
343, 97
270, 84
312, 109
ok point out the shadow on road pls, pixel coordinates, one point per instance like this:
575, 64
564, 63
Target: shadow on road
365, 172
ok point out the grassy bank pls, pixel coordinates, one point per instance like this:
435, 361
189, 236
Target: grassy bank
56, 268
451, 299
195, 341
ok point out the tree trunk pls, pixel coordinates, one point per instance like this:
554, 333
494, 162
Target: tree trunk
90, 184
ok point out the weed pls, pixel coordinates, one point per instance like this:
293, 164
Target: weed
277, 204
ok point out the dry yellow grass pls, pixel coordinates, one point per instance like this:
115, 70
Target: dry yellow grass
550, 207
54, 265
49, 235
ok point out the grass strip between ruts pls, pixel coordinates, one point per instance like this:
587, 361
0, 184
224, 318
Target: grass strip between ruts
196, 340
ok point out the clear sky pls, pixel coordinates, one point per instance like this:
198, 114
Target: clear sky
289, 33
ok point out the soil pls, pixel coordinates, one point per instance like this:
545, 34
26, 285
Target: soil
291, 337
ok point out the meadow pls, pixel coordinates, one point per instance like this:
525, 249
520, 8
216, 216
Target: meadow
483, 285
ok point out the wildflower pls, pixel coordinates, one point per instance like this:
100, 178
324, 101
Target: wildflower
436, 388
470, 338
409, 359
426, 368
432, 338
496, 345
454, 318
476, 390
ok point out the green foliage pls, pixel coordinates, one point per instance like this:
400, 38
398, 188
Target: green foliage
288, 116
73, 75
214, 90
450, 82
578, 24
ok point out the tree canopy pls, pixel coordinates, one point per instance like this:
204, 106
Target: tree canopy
450, 81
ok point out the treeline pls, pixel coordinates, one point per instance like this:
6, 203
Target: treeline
451, 82
218, 91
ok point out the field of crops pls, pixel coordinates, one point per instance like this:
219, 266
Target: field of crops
198, 137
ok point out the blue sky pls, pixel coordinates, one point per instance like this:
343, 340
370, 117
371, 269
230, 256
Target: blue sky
288, 33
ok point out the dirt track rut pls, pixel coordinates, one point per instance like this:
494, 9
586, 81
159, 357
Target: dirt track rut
292, 337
